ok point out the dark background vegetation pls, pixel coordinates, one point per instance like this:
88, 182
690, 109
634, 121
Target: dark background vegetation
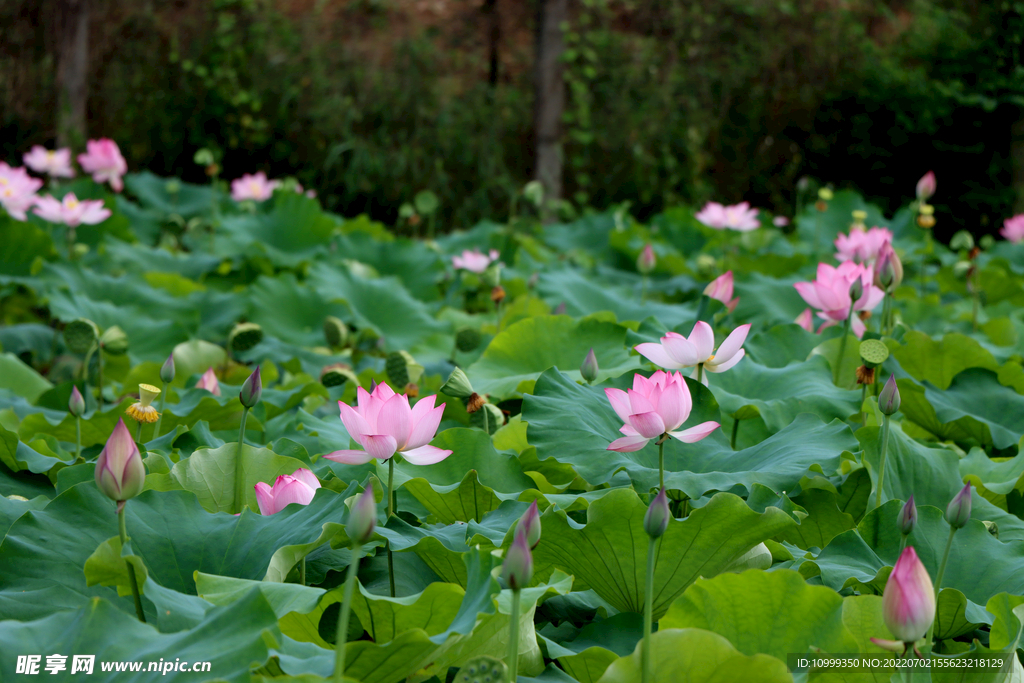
668, 101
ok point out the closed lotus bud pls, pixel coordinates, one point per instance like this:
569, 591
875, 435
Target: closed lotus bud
992, 528
646, 261
245, 336
589, 368
114, 341
120, 473
76, 405
959, 509
517, 571
167, 370
458, 385
888, 269
362, 520
908, 517
856, 290
926, 186
889, 397
530, 521
657, 515
252, 389
908, 602
335, 332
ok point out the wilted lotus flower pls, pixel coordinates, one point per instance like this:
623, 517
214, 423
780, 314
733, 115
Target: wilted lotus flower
72, 211
517, 571
104, 161
862, 245
676, 351
1013, 229
474, 261
76, 404
120, 473
926, 186
17, 190
143, 411
958, 512
720, 289
736, 217
646, 261
362, 520
255, 187
888, 269
530, 522
908, 602
54, 163
657, 515
383, 423
830, 293
209, 382
653, 407
806, 320
298, 487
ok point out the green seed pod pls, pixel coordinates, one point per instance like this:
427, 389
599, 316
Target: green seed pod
482, 669
402, 369
245, 336
80, 335
468, 339
114, 341
457, 385
337, 374
491, 414
335, 332
873, 352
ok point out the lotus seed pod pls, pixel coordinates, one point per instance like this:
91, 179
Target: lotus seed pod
335, 332
889, 397
657, 515
468, 339
245, 336
457, 385
402, 369
959, 509
825, 194
494, 417
482, 669
252, 389
337, 374
80, 335
873, 352
114, 341
167, 370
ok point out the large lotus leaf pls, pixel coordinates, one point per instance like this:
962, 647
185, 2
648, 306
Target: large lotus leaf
939, 361
170, 195
22, 244
18, 456
294, 230
989, 411
697, 656
609, 554
818, 229
781, 345
20, 378
780, 394
462, 502
824, 519
12, 509
520, 353
291, 311
994, 479
221, 412
194, 358
770, 300
413, 262
96, 428
471, 450
574, 424
283, 598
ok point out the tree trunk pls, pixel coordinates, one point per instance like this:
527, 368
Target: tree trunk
1017, 162
72, 67
490, 9
550, 100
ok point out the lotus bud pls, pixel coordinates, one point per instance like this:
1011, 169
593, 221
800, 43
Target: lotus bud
76, 405
657, 515
646, 261
517, 571
252, 389
530, 521
120, 473
458, 385
926, 186
167, 370
589, 368
114, 341
908, 517
889, 397
992, 528
959, 509
888, 269
908, 602
362, 520
856, 290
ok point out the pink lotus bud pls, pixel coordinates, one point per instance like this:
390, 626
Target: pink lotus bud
76, 405
589, 368
362, 520
530, 522
720, 289
908, 517
167, 370
646, 261
806, 320
298, 487
657, 515
908, 603
120, 473
888, 268
518, 568
252, 389
889, 397
926, 186
959, 509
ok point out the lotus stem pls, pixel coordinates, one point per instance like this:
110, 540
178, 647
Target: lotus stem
735, 431
886, 327
122, 529
513, 642
71, 244
903, 544
239, 470
302, 572
138, 432
643, 289
391, 512
99, 375
341, 635
842, 349
700, 373
78, 437
661, 460
497, 311
881, 465
645, 653
938, 580
160, 417
863, 397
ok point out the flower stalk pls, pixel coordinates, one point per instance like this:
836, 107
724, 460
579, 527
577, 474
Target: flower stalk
842, 348
391, 513
513, 642
341, 635
123, 533
239, 470
881, 464
645, 653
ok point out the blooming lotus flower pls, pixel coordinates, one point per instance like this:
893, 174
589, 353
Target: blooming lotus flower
383, 424
780, 221
862, 245
474, 261
54, 163
120, 473
926, 186
298, 487
71, 211
104, 161
1013, 229
720, 289
255, 186
17, 190
209, 382
676, 351
653, 407
830, 293
736, 217
908, 602
806, 320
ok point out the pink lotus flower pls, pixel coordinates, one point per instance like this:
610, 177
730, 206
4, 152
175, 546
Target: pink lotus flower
676, 351
384, 424
720, 289
255, 186
926, 186
861, 245
55, 163
104, 161
806, 320
209, 382
736, 217
830, 293
655, 406
908, 602
1013, 229
71, 211
17, 190
298, 487
474, 261
780, 221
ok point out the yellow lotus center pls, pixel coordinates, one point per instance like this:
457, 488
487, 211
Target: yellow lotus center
710, 358
254, 187
8, 192
49, 155
3, 181
72, 203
